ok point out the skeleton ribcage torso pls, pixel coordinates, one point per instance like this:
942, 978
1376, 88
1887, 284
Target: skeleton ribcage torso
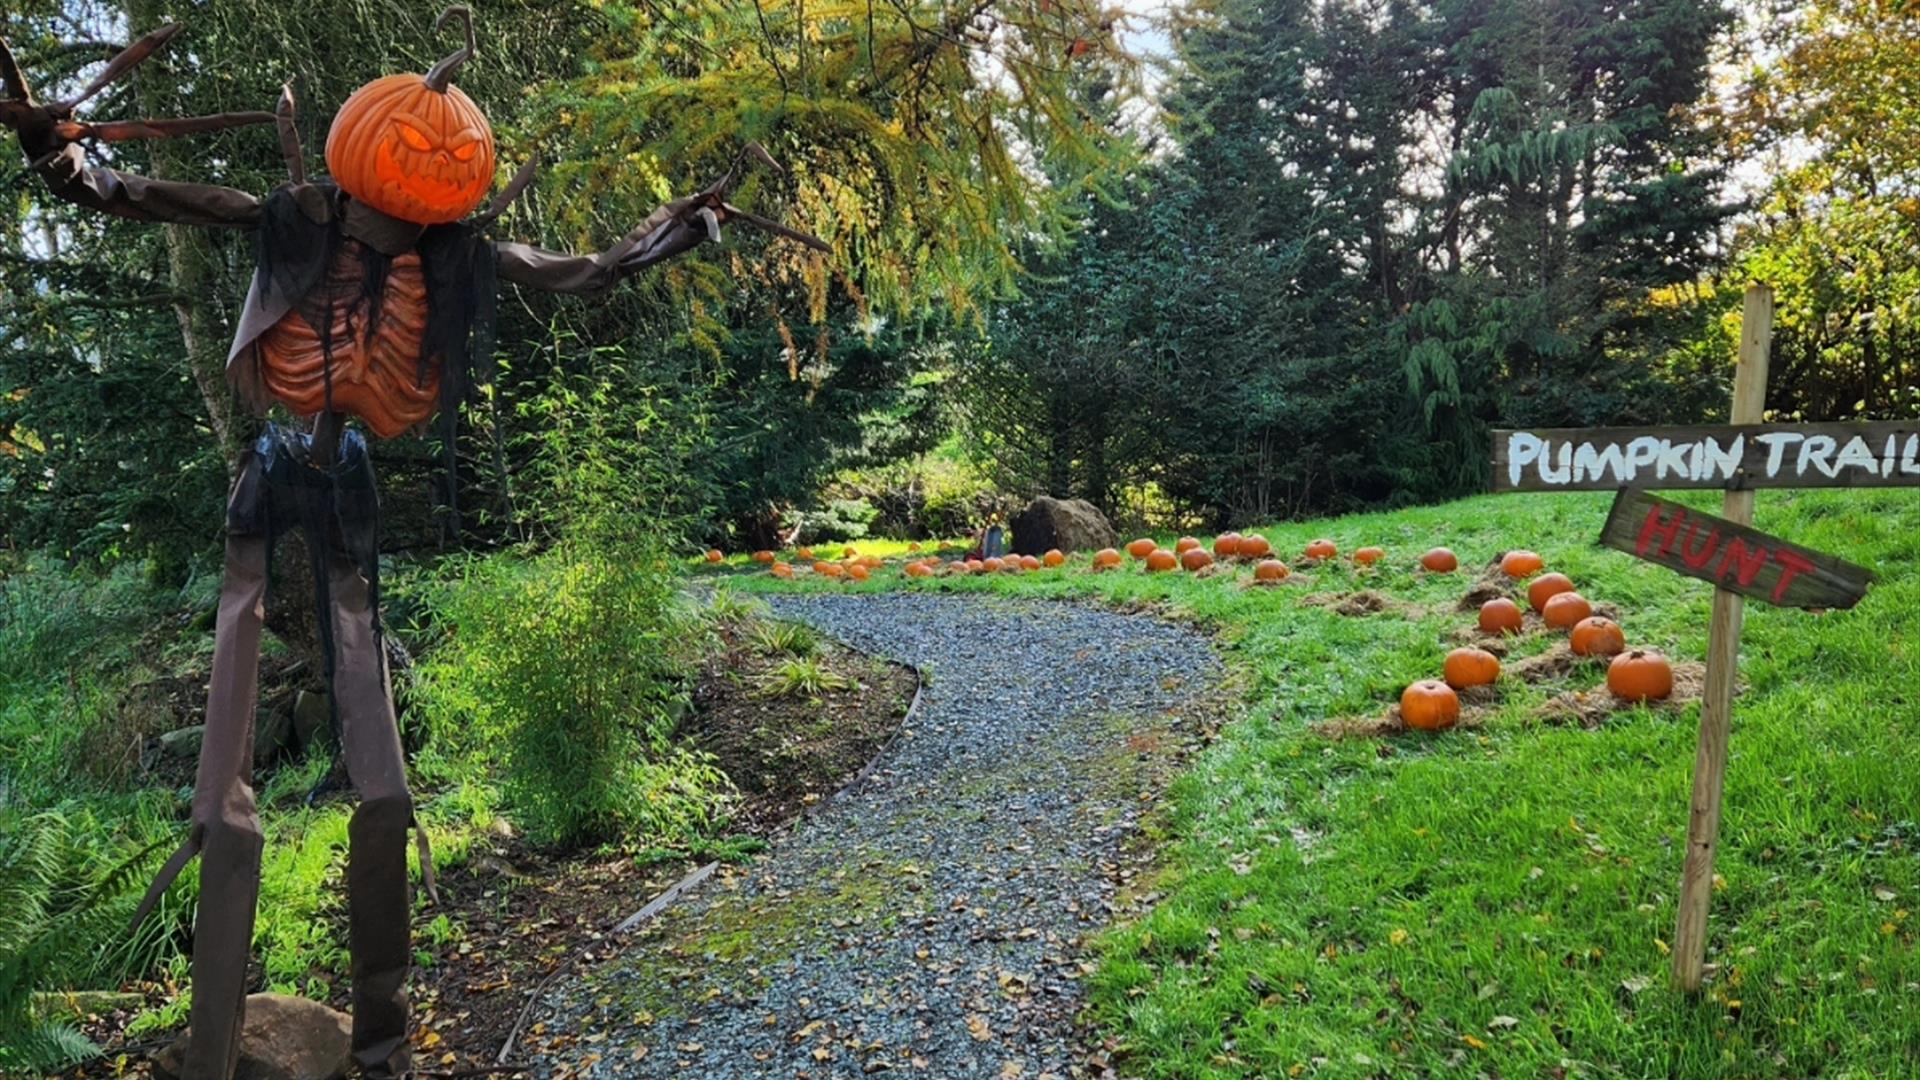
379, 376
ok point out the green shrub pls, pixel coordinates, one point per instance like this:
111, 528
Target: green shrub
802, 676
567, 666
792, 639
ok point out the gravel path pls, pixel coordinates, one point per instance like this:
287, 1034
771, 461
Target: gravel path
932, 922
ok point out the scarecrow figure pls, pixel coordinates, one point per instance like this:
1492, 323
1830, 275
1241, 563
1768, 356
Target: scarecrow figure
372, 298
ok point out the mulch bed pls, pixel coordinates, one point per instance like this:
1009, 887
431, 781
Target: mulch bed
518, 913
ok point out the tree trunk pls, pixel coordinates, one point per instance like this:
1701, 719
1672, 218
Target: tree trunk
191, 266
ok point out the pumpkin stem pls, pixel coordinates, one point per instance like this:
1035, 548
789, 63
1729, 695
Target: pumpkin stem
441, 76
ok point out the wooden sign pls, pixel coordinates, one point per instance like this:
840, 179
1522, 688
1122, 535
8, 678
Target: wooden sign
1735, 457
1735, 557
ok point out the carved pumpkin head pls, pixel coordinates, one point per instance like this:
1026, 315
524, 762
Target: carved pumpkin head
413, 146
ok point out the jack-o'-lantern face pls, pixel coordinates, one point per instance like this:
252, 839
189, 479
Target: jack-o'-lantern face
413, 146
412, 152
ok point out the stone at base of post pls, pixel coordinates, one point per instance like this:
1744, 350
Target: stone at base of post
284, 1038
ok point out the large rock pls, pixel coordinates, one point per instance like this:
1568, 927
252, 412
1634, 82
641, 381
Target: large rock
1070, 525
284, 1038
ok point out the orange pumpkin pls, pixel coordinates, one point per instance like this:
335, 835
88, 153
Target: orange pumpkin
1471, 667
1598, 636
1500, 616
1640, 675
994, 565
781, 570
960, 566
1440, 561
915, 546
805, 553
763, 557
827, 569
1519, 564
1255, 547
1270, 570
859, 572
1054, 557
920, 570
1184, 545
1226, 545
976, 566
415, 147
1322, 549
1429, 705
1565, 610
1106, 559
1545, 587
1160, 559
1195, 558
1142, 547
1028, 562
1367, 556
713, 555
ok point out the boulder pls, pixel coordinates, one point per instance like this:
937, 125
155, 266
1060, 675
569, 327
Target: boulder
183, 743
1068, 524
272, 734
284, 1038
312, 718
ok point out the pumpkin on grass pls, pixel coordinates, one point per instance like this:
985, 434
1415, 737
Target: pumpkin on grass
917, 570
1519, 564
859, 572
1184, 545
1160, 559
805, 554
1429, 705
1640, 675
976, 566
1598, 636
960, 566
1500, 616
1255, 547
827, 569
1545, 587
1226, 545
1322, 549
994, 564
1471, 667
1195, 558
1142, 547
1054, 557
714, 555
1367, 556
781, 570
1106, 559
1565, 610
1028, 562
1270, 570
1440, 561
763, 557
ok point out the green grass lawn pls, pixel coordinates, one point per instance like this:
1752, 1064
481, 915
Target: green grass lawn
1500, 902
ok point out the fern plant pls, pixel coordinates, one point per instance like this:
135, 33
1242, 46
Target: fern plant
61, 903
785, 638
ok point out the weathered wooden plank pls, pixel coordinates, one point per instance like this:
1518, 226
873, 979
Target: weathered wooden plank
1723, 662
1731, 456
1735, 557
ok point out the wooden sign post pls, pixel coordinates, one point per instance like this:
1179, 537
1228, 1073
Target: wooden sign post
1727, 551
1723, 659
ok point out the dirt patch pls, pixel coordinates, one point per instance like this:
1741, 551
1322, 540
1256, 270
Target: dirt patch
787, 750
1485, 590
1592, 708
1359, 604
1556, 663
1475, 706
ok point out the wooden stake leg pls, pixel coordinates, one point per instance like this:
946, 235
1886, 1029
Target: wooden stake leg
1723, 664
